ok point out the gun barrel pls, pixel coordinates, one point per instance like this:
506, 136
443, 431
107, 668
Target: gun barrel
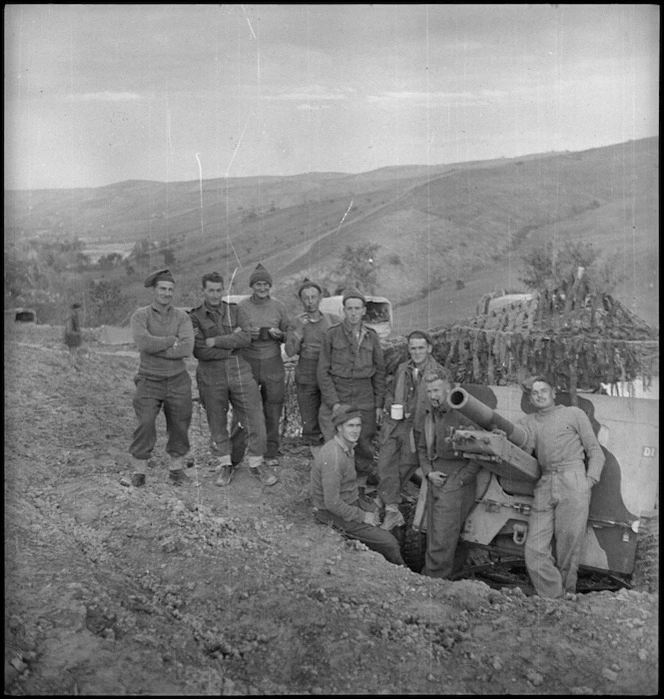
484, 416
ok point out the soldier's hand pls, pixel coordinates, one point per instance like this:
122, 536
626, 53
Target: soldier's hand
275, 333
209, 341
379, 416
437, 478
371, 518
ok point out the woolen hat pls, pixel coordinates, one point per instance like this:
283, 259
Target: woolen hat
347, 413
162, 275
260, 274
353, 294
309, 283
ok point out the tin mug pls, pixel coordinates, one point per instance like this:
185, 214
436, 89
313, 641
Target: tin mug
396, 411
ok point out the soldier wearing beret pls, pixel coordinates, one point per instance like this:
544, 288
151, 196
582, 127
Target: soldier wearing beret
334, 492
303, 340
351, 371
164, 336
73, 336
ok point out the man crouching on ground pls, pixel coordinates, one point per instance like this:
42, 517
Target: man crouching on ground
334, 491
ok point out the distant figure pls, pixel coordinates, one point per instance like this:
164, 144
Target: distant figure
224, 378
72, 337
334, 492
164, 336
351, 371
303, 340
560, 437
268, 319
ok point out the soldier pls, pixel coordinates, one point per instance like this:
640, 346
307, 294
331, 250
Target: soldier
334, 491
164, 336
224, 377
451, 480
303, 340
73, 338
560, 437
269, 321
397, 457
351, 371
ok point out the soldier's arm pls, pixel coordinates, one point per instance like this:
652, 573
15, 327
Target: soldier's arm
143, 339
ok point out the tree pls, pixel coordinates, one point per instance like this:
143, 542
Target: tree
108, 302
358, 267
546, 268
169, 256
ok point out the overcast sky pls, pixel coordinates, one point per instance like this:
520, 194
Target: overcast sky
96, 94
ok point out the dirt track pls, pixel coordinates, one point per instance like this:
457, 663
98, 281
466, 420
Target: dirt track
202, 590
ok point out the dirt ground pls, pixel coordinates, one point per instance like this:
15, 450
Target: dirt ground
208, 591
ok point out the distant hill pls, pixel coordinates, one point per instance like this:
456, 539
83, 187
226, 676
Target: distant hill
447, 233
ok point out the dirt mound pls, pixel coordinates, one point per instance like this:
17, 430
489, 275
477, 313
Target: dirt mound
203, 590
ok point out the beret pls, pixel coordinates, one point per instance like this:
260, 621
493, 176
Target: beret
162, 275
353, 294
347, 413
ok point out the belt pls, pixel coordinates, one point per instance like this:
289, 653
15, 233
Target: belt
560, 467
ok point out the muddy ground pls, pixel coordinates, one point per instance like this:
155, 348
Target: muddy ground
203, 590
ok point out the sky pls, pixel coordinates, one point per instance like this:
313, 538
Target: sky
98, 94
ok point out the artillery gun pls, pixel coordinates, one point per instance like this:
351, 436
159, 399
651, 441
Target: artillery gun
498, 522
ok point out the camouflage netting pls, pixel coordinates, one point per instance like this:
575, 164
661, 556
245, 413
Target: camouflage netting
578, 338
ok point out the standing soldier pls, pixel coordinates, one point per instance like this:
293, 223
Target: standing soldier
224, 376
400, 434
561, 437
351, 371
164, 336
304, 339
451, 480
73, 338
268, 319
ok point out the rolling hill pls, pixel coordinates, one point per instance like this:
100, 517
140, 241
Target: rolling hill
447, 233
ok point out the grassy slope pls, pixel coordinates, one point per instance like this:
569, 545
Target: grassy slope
469, 221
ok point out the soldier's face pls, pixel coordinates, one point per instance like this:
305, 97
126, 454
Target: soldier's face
418, 349
354, 311
261, 289
437, 391
213, 292
351, 430
542, 395
163, 293
310, 298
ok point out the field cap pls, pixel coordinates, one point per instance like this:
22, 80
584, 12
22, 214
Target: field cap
260, 274
345, 414
353, 294
162, 275
76, 305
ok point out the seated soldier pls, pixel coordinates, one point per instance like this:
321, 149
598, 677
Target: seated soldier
334, 490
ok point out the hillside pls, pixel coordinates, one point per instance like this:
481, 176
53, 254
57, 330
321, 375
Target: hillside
447, 233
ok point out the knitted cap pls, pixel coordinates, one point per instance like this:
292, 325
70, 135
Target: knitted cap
260, 274
309, 283
162, 275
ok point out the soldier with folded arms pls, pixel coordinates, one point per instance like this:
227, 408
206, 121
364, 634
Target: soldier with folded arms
165, 337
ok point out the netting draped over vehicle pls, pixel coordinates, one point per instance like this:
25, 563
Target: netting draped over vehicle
578, 338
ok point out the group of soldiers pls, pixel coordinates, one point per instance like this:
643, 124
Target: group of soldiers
345, 398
